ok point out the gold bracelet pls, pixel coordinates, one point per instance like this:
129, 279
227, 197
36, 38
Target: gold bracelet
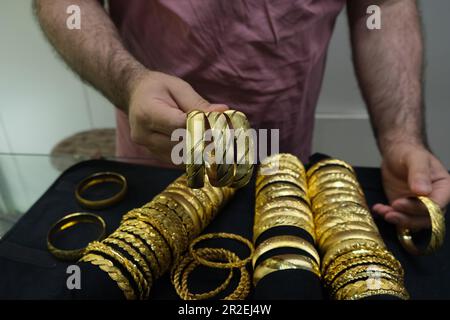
140, 245
355, 235
187, 264
282, 204
338, 229
282, 212
335, 181
190, 221
101, 178
292, 221
283, 160
245, 149
326, 163
284, 262
195, 145
437, 230
206, 203
265, 181
318, 205
359, 290
285, 242
331, 174
347, 246
138, 259
219, 170
334, 188
337, 208
67, 222
221, 265
113, 272
142, 284
325, 222
153, 240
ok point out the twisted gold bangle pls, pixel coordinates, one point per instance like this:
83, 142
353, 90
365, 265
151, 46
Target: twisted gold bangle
113, 272
212, 264
437, 230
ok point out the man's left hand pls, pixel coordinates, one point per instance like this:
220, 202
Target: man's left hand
410, 170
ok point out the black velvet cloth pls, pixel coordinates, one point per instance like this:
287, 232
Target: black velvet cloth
29, 271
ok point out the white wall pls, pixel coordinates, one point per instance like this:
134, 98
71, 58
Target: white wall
43, 102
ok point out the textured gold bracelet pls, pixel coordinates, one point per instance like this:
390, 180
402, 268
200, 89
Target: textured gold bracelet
281, 160
140, 245
337, 208
245, 149
113, 272
285, 242
284, 262
318, 205
133, 271
195, 145
437, 230
274, 221
359, 290
321, 165
333, 174
222, 265
266, 181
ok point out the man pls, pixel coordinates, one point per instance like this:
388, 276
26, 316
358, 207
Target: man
157, 60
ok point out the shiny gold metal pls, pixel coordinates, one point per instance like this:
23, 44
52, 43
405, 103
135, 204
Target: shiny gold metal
195, 146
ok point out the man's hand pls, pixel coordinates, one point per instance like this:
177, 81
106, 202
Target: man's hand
410, 170
158, 105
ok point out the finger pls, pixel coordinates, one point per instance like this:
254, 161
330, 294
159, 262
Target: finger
164, 119
160, 146
419, 173
381, 209
405, 221
410, 206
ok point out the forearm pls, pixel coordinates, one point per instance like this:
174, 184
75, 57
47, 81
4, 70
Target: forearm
95, 52
388, 64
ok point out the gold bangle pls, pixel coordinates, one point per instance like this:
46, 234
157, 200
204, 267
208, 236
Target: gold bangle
347, 246
359, 290
349, 226
319, 205
328, 162
278, 179
282, 204
284, 220
437, 230
221, 265
326, 221
101, 178
281, 211
270, 194
336, 209
336, 174
192, 199
140, 245
113, 272
337, 185
67, 222
137, 257
195, 145
349, 235
142, 284
245, 149
274, 162
284, 262
218, 168
190, 221
285, 242
153, 240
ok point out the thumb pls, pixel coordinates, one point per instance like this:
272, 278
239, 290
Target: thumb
419, 179
188, 99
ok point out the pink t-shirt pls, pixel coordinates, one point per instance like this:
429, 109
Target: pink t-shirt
264, 58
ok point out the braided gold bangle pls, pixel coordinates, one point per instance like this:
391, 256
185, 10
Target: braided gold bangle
187, 264
140, 245
133, 271
222, 265
153, 240
113, 272
138, 259
360, 289
437, 230
243, 169
195, 145
285, 242
284, 262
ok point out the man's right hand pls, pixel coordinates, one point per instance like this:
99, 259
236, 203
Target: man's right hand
158, 105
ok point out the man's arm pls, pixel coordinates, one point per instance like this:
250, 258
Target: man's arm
156, 103
388, 64
95, 52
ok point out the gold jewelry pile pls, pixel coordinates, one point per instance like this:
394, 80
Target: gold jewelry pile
214, 258
152, 238
229, 130
282, 201
355, 262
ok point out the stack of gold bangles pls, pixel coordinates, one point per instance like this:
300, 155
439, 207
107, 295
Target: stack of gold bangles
152, 238
230, 131
355, 262
282, 202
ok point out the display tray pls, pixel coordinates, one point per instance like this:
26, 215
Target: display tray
29, 271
